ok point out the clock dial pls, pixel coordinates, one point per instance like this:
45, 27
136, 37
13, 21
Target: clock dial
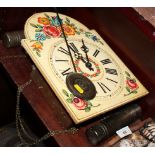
103, 71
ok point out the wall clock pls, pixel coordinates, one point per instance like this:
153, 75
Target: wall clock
114, 83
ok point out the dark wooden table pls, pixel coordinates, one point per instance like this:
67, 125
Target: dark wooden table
131, 45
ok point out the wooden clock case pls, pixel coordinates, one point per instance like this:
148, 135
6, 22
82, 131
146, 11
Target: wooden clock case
40, 107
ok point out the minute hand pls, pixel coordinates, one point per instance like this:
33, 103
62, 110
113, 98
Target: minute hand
85, 49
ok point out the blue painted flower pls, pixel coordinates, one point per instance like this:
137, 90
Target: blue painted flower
94, 38
55, 21
40, 36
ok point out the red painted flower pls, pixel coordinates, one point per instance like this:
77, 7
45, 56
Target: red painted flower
51, 31
85, 74
132, 84
79, 103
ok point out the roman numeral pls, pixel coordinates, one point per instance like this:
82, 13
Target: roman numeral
62, 60
111, 80
66, 72
73, 48
96, 53
103, 87
106, 61
111, 71
61, 49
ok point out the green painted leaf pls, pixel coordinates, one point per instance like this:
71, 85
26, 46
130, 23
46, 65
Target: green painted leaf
32, 40
128, 89
67, 20
101, 42
65, 92
87, 109
96, 105
77, 32
69, 100
39, 26
72, 25
134, 92
89, 33
128, 78
47, 15
75, 27
38, 30
33, 25
127, 73
38, 53
52, 21
40, 43
48, 37
71, 96
134, 80
89, 103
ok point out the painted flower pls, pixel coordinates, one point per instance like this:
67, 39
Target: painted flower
51, 31
43, 20
85, 74
40, 36
132, 84
94, 38
37, 45
55, 21
79, 103
98, 70
69, 30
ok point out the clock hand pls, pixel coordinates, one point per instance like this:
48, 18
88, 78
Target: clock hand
66, 42
78, 55
85, 49
78, 84
87, 64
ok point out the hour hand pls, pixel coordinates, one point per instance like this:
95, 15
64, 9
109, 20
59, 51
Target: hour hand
85, 49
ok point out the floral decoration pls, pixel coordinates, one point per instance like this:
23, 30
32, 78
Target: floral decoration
40, 36
51, 31
69, 30
78, 103
98, 70
43, 20
37, 47
131, 85
49, 26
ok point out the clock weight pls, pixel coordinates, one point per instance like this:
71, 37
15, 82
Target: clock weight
108, 126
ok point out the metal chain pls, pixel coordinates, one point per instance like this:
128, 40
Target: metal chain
19, 123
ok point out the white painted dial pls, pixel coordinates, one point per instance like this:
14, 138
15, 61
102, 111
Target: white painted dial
103, 71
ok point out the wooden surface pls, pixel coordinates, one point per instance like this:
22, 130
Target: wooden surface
131, 45
12, 18
143, 17
147, 13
